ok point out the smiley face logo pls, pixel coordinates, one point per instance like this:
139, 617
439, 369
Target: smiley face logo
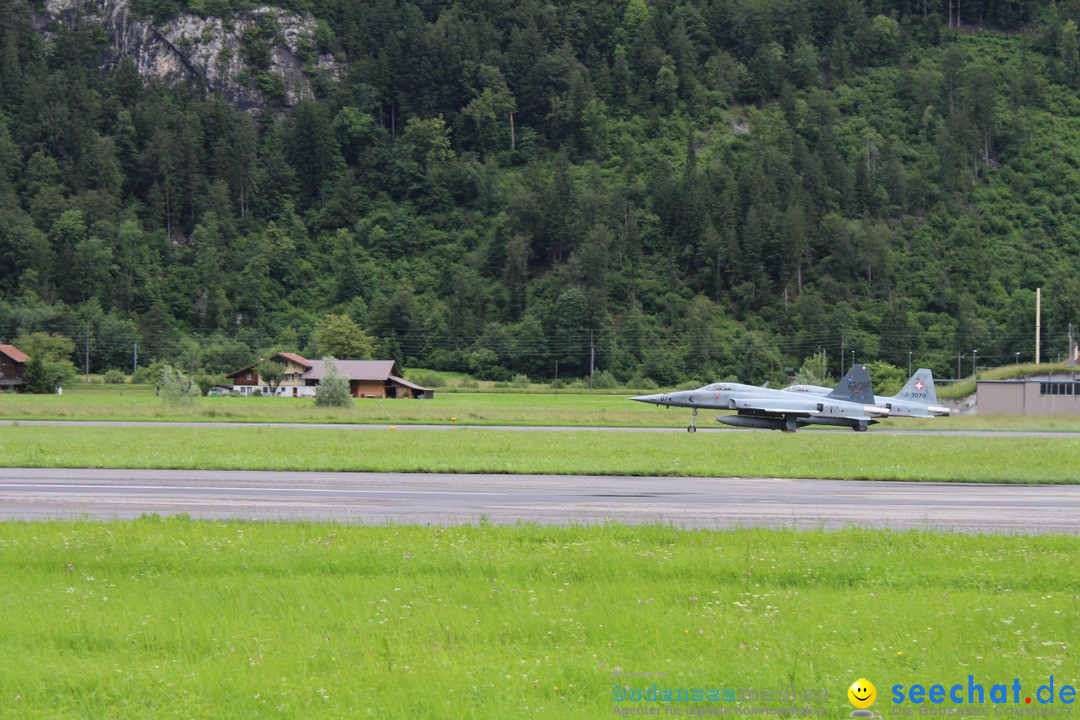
862, 693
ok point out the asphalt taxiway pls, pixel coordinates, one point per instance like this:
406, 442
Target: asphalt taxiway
382, 498
517, 428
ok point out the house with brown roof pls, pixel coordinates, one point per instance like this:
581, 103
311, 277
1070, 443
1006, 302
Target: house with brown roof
301, 377
12, 367
246, 380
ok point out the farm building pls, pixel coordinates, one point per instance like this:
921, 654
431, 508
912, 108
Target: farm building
367, 379
1056, 394
12, 367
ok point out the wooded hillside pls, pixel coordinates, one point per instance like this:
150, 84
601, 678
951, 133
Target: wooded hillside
701, 188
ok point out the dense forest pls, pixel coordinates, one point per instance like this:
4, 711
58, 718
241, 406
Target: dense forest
692, 189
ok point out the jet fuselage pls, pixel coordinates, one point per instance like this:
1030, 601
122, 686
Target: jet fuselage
769, 409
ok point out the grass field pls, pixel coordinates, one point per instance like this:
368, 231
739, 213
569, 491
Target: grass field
177, 618
468, 408
842, 455
138, 403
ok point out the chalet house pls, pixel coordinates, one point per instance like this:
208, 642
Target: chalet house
12, 367
301, 377
246, 380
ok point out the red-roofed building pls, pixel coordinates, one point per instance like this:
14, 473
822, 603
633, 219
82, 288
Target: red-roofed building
367, 378
246, 379
12, 367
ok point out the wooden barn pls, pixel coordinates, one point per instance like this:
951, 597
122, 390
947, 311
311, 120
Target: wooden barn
12, 367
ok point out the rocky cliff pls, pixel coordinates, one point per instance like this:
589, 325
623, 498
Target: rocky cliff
261, 58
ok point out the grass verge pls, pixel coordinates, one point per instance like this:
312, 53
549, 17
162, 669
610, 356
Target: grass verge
467, 408
847, 455
127, 403
177, 618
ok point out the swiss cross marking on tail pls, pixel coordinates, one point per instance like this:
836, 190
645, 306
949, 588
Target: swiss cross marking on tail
919, 385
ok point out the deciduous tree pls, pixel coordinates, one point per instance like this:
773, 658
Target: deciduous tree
340, 336
272, 373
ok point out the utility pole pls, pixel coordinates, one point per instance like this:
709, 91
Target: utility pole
88, 351
909, 363
135, 358
842, 354
974, 368
958, 356
592, 358
1038, 323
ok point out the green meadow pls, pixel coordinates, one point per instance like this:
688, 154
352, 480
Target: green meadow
842, 455
558, 409
180, 618
135, 403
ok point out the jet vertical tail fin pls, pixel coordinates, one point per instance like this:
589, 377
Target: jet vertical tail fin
920, 388
855, 386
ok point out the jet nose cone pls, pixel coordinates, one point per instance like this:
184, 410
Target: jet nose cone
654, 399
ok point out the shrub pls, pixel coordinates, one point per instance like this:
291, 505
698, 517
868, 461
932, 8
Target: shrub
333, 388
206, 381
604, 380
520, 381
482, 361
467, 383
643, 383
45, 376
149, 375
427, 378
497, 372
114, 377
177, 388
142, 376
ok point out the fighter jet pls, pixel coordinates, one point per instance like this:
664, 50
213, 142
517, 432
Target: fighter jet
850, 404
916, 399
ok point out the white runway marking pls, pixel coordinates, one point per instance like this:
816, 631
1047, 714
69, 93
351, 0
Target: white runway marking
94, 486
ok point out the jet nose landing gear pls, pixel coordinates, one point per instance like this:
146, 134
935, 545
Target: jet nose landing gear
693, 419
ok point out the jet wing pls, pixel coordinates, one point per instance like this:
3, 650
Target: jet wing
779, 407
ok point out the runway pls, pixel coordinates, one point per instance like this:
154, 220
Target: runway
437, 499
702, 428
